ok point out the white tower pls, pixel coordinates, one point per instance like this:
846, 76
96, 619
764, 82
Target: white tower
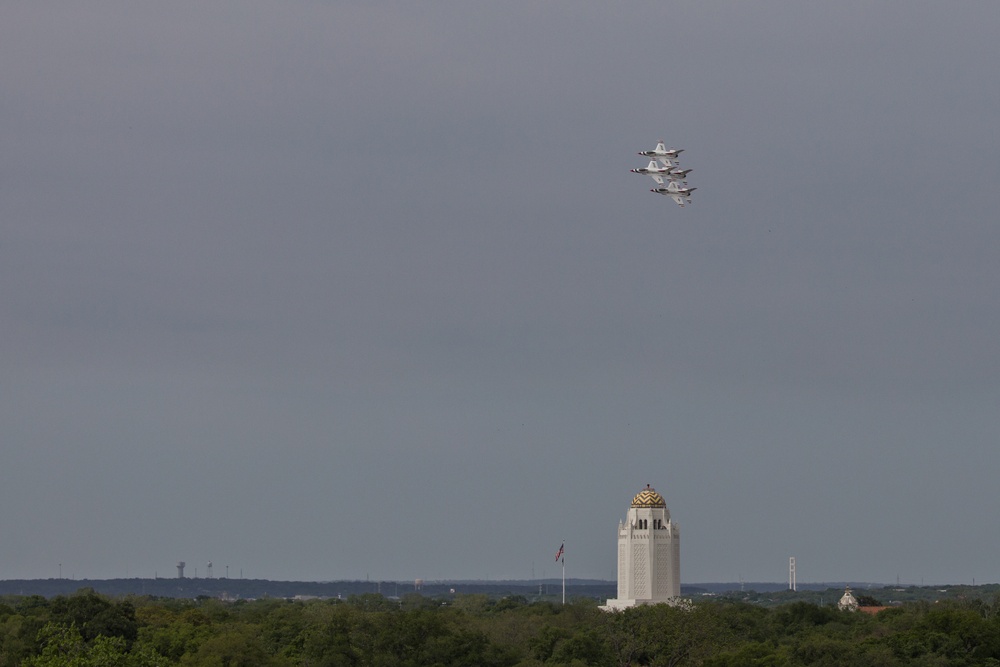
649, 554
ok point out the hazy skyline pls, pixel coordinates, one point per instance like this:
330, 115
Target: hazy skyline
329, 290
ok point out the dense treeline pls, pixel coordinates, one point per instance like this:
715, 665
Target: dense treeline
87, 629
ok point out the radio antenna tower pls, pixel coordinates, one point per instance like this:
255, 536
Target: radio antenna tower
791, 573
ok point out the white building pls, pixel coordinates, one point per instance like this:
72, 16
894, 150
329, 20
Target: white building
848, 602
649, 554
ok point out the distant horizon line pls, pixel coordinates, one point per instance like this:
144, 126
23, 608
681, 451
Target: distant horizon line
522, 581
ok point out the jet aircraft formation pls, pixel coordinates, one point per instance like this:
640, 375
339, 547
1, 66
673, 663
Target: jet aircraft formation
664, 168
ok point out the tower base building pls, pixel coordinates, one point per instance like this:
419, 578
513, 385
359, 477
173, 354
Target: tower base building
649, 554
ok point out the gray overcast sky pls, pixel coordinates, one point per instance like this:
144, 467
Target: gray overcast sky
326, 290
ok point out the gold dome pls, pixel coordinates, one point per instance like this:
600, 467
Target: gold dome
648, 497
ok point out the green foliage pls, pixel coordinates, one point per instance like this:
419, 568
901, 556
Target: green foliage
18, 637
371, 602
326, 638
87, 629
96, 616
510, 602
237, 645
868, 601
585, 647
64, 646
544, 643
412, 601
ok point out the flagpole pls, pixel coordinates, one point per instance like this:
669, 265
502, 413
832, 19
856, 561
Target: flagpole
562, 558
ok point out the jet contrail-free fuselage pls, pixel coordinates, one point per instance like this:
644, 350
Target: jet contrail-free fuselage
668, 156
676, 192
658, 173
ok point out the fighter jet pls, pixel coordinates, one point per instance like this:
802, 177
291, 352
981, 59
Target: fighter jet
658, 173
667, 156
676, 192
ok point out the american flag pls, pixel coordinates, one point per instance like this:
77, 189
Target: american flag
560, 552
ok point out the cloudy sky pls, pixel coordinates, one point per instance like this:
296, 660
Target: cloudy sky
335, 290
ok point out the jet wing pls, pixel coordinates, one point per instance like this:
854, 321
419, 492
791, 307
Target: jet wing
657, 178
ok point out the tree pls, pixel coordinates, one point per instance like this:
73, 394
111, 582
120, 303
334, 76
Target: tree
237, 645
326, 638
544, 643
64, 646
585, 647
95, 615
